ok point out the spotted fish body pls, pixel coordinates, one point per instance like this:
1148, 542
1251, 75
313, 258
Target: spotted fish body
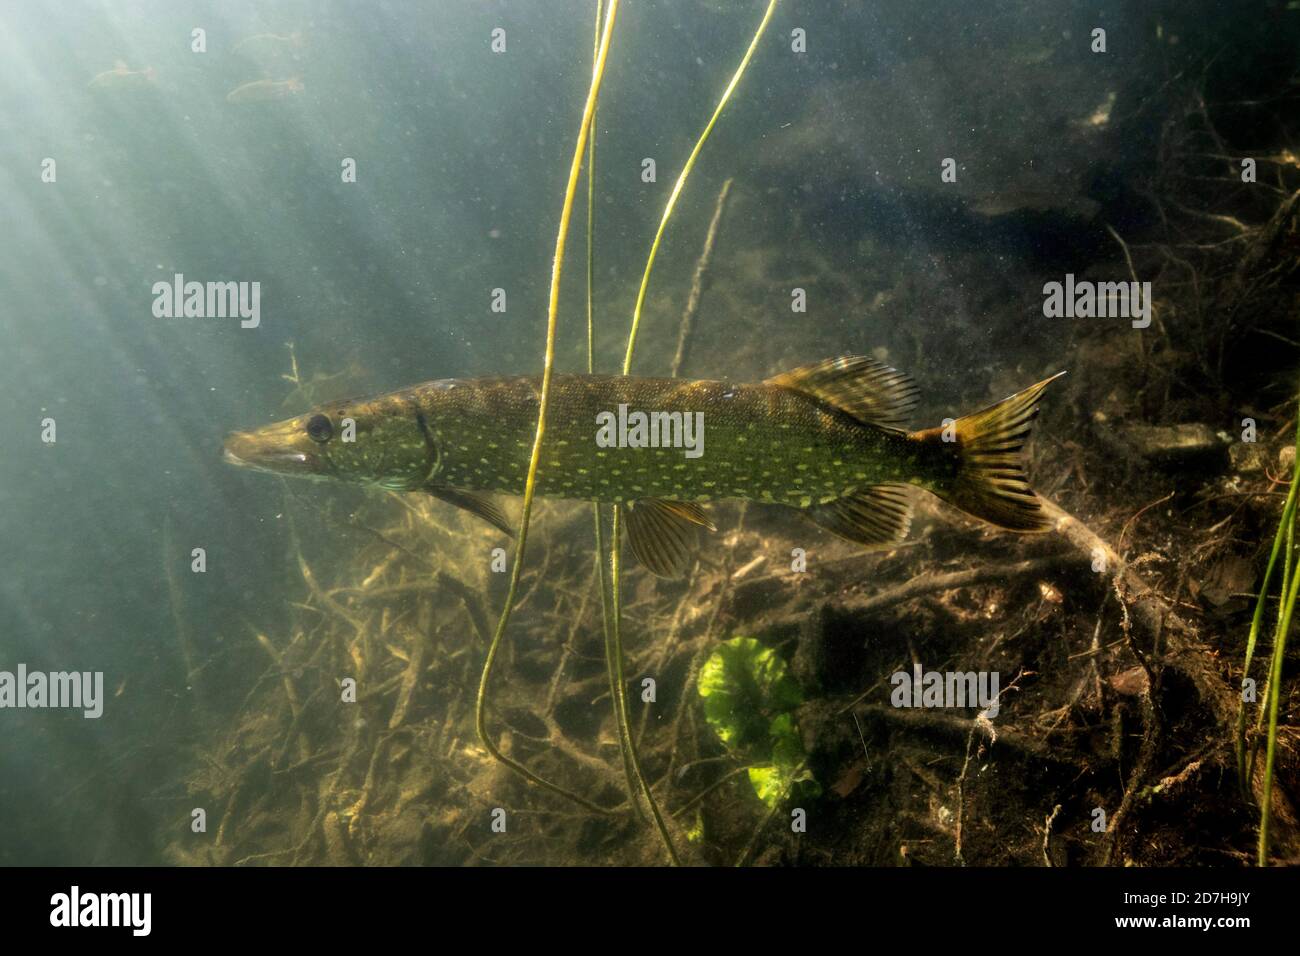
760, 442
826, 439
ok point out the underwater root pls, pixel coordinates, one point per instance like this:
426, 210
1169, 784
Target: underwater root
1174, 644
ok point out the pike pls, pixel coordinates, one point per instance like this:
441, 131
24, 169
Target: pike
826, 439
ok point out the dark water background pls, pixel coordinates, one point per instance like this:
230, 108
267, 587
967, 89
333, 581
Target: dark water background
461, 159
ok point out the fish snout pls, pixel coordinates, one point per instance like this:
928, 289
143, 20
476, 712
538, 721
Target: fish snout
266, 453
237, 449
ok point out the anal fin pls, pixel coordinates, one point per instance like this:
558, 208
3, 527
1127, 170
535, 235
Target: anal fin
476, 503
877, 516
662, 533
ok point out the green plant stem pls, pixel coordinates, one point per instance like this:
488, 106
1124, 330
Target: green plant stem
591, 212
615, 653
629, 773
1290, 588
681, 181
1285, 529
630, 766
1274, 698
566, 213
615, 647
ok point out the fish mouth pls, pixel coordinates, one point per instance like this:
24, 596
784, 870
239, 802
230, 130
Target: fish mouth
248, 451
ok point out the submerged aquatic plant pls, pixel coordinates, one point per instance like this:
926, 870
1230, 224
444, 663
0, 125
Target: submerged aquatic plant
610, 596
552, 315
749, 701
1273, 688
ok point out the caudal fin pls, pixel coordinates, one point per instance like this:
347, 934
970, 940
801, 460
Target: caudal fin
990, 481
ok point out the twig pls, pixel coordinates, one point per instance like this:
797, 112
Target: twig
1047, 834
929, 583
697, 283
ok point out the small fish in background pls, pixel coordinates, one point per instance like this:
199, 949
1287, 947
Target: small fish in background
121, 77
1098, 117
262, 90
262, 44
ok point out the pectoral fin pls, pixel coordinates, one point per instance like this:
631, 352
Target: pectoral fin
876, 516
686, 510
662, 533
475, 503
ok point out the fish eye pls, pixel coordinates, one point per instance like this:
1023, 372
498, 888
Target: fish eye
319, 429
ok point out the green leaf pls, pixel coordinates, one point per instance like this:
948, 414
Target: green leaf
769, 783
742, 684
774, 784
749, 701
787, 747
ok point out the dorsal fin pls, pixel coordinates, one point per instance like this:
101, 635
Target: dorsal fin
870, 391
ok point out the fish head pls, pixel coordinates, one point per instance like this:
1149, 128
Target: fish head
373, 442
